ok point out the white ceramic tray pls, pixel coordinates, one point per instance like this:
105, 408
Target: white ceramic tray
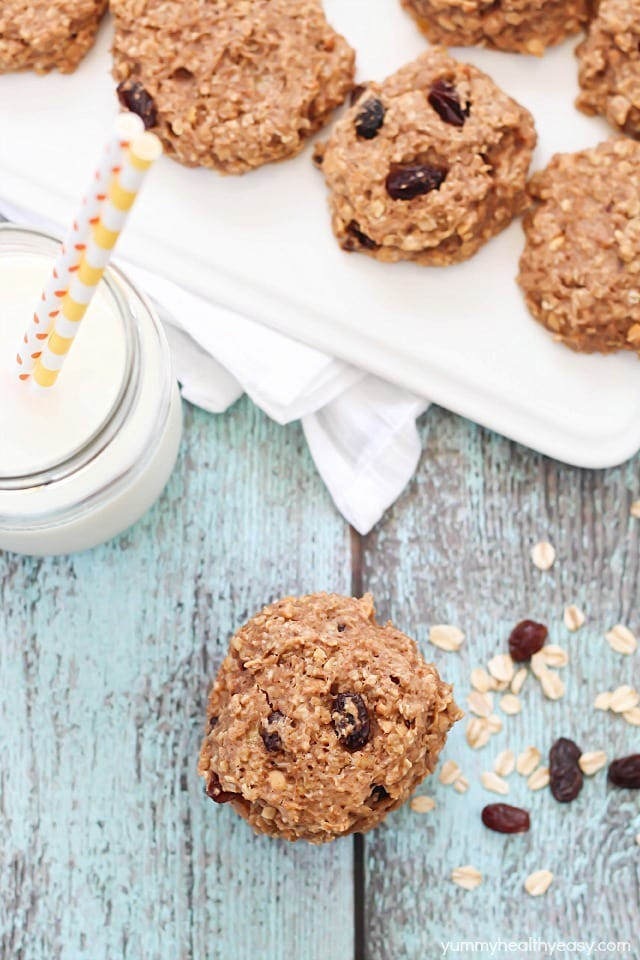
262, 244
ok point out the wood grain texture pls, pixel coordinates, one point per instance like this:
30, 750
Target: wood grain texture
109, 848
455, 549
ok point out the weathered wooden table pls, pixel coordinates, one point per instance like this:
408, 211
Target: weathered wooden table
109, 849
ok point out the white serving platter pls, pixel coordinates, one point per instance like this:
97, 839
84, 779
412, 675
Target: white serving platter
262, 244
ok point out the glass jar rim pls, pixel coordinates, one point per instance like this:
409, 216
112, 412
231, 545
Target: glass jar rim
128, 391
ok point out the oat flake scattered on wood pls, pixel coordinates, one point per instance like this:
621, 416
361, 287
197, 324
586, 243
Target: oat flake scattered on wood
538, 883
480, 680
624, 698
446, 637
602, 701
491, 781
422, 804
494, 723
552, 685
505, 763
574, 618
543, 555
622, 640
527, 761
466, 877
592, 761
555, 656
539, 779
510, 704
501, 667
480, 703
450, 772
518, 680
478, 732
632, 716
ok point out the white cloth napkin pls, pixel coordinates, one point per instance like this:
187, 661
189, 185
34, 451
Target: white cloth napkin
361, 430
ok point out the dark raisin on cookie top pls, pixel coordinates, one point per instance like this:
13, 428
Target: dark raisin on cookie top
370, 118
445, 100
133, 96
350, 719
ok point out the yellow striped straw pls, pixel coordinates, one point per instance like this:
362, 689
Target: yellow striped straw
122, 192
127, 126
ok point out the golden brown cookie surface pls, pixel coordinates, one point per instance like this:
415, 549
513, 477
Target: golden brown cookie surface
609, 61
428, 165
580, 269
521, 26
321, 720
44, 35
230, 84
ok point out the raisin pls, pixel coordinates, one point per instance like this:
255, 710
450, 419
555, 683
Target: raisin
527, 637
216, 793
444, 99
504, 818
350, 719
341, 627
625, 772
565, 776
414, 180
212, 724
370, 118
364, 241
271, 738
133, 96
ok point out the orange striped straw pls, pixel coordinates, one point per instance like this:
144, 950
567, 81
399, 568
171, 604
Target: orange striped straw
127, 126
97, 252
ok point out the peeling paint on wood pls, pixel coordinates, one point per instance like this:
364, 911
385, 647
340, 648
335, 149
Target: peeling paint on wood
455, 549
109, 848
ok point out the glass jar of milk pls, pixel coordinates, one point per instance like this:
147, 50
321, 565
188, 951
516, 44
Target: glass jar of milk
82, 461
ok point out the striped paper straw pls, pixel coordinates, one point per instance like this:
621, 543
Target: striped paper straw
127, 126
103, 236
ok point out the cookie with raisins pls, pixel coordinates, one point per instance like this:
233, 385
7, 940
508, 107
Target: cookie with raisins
580, 265
321, 720
230, 85
428, 165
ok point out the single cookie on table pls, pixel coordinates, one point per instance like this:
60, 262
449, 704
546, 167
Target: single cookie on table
321, 720
609, 72
521, 26
428, 165
44, 35
580, 269
230, 84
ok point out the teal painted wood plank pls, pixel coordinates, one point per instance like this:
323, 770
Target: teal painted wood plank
455, 549
109, 848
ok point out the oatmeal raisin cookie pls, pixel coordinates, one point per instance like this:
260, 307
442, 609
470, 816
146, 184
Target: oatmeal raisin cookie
230, 84
428, 165
580, 270
609, 71
321, 720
